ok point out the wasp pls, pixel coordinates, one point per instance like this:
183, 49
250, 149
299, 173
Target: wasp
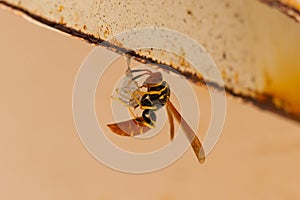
149, 97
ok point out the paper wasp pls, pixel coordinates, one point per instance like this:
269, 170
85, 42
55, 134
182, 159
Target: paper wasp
152, 95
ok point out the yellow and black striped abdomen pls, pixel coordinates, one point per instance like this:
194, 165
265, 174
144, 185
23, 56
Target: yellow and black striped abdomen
156, 97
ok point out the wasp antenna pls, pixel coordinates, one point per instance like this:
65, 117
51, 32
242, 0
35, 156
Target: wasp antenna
149, 72
138, 76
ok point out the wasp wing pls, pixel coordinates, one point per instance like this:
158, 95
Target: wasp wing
131, 127
190, 134
171, 122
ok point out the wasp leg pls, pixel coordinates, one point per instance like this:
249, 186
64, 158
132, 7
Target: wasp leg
119, 100
171, 122
123, 99
134, 95
133, 115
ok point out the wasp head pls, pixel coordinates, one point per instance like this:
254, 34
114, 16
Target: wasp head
154, 79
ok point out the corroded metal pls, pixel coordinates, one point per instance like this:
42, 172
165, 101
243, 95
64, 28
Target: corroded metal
289, 7
254, 47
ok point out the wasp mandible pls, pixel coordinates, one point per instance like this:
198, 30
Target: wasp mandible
151, 96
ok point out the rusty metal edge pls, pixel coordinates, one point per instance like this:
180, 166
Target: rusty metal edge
290, 11
262, 101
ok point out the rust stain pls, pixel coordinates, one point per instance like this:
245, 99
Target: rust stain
224, 74
61, 21
182, 60
116, 42
236, 77
60, 8
189, 12
107, 31
283, 95
282, 77
288, 7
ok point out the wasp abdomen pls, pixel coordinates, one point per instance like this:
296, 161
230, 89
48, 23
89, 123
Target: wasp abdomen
150, 117
164, 93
